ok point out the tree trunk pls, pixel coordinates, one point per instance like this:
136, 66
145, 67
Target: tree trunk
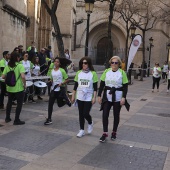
58, 35
126, 46
109, 52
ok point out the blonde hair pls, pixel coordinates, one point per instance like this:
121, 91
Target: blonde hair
116, 57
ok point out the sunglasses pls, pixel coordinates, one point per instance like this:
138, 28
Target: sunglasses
114, 62
84, 63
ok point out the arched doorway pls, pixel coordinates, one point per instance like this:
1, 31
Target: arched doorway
102, 50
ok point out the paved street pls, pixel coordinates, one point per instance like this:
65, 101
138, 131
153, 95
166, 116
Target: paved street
143, 139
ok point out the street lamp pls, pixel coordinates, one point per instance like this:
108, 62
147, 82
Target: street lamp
89, 5
150, 47
132, 30
168, 47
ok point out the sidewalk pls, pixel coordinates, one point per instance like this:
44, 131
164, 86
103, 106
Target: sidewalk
143, 139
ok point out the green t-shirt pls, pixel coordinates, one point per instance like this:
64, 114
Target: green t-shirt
108, 75
50, 69
3, 64
19, 84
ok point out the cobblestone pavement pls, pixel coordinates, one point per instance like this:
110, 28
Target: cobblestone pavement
143, 139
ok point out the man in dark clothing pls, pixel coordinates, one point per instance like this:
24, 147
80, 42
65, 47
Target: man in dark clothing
42, 61
3, 63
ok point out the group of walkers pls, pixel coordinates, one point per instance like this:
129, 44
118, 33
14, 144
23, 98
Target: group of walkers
16, 68
113, 86
159, 72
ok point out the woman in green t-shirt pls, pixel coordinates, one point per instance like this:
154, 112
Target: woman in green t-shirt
114, 83
58, 78
85, 89
16, 91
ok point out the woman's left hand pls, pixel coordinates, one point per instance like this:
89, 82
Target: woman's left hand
122, 102
93, 100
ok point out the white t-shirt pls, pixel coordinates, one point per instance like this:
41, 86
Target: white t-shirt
36, 70
169, 74
27, 66
165, 68
114, 79
58, 77
156, 74
85, 85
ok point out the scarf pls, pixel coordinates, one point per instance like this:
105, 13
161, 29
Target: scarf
86, 71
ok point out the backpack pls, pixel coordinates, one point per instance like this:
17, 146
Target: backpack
10, 79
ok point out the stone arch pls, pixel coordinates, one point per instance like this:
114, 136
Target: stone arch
101, 21
98, 31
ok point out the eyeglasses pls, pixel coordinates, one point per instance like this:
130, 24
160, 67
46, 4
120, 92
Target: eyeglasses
114, 62
84, 63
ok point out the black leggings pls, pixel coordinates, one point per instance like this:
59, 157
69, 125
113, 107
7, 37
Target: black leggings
51, 102
84, 112
19, 97
116, 113
156, 81
164, 75
168, 84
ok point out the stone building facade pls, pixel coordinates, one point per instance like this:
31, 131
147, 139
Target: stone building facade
25, 21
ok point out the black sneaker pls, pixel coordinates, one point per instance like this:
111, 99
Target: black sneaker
18, 122
48, 122
39, 97
103, 138
113, 136
7, 120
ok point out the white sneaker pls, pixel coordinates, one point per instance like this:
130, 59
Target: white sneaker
90, 128
80, 134
167, 91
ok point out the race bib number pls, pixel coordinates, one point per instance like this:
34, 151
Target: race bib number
84, 83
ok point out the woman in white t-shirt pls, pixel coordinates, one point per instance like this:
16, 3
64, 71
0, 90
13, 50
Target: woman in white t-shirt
58, 78
28, 71
114, 85
165, 69
36, 72
156, 76
85, 89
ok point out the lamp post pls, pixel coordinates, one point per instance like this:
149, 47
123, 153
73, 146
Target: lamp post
168, 47
150, 47
132, 30
89, 5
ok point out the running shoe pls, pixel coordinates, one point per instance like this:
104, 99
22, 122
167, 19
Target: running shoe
18, 122
48, 122
103, 138
81, 133
113, 136
90, 128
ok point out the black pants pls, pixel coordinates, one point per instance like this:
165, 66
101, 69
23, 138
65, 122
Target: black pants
116, 114
51, 102
156, 81
19, 97
164, 75
2, 94
168, 84
29, 93
84, 108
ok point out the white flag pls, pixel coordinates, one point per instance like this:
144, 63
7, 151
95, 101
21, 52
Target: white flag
135, 44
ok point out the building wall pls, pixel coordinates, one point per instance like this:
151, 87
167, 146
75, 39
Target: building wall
13, 29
